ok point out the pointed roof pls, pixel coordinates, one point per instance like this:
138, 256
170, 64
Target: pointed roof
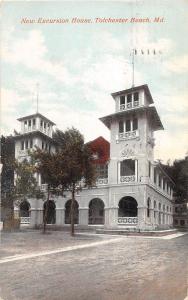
135, 89
150, 110
34, 116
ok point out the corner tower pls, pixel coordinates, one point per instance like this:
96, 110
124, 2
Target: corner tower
132, 129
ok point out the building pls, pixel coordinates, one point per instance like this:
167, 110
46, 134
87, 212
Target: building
132, 190
181, 215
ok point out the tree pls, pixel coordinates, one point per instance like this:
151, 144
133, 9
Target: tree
48, 166
75, 164
178, 171
7, 177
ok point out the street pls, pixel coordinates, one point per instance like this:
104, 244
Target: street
56, 266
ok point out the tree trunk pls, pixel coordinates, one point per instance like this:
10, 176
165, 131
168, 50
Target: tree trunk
46, 210
72, 210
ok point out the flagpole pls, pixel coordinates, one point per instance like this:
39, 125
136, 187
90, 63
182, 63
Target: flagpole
37, 97
132, 67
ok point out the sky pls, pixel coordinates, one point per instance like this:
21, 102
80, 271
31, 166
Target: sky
79, 65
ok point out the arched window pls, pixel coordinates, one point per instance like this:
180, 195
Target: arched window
96, 211
25, 209
127, 207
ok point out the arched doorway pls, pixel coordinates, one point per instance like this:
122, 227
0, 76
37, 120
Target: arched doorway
25, 209
96, 211
50, 211
128, 207
68, 212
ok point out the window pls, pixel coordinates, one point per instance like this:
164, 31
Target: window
122, 100
44, 125
136, 96
149, 168
26, 144
25, 124
182, 222
155, 176
42, 145
31, 143
102, 171
164, 182
41, 123
46, 147
29, 123
129, 98
135, 124
128, 125
121, 129
160, 180
127, 167
34, 123
148, 207
22, 145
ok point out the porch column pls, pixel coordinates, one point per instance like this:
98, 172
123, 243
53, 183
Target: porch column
36, 217
83, 215
152, 219
60, 216
111, 217
142, 211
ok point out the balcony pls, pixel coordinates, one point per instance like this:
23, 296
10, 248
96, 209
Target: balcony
44, 187
102, 181
127, 179
127, 220
23, 152
24, 220
128, 135
129, 105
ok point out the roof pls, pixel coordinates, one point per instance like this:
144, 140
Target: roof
34, 133
101, 147
36, 115
158, 165
150, 110
135, 89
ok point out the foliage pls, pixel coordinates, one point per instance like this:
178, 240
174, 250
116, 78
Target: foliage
7, 176
25, 183
179, 174
75, 163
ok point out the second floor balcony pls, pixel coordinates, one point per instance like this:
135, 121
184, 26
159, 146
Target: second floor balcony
128, 105
128, 135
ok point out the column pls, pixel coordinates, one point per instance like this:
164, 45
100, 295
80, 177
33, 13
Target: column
83, 215
142, 210
152, 219
136, 170
36, 217
60, 216
111, 217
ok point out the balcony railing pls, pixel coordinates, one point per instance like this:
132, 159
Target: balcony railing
127, 220
127, 179
128, 135
129, 105
44, 187
102, 181
23, 152
25, 220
